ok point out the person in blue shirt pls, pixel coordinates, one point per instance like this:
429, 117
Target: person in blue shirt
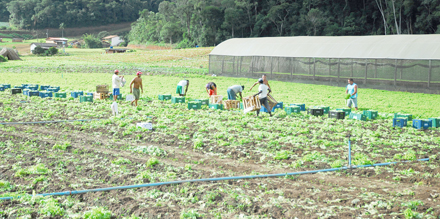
352, 89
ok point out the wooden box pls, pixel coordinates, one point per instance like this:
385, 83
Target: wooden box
100, 96
231, 104
251, 103
216, 99
102, 88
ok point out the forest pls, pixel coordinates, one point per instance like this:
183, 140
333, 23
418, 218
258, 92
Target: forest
209, 22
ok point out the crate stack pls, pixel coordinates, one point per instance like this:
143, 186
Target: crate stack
2, 88
400, 122
216, 99
76, 94
292, 109
346, 110
251, 103
231, 104
101, 92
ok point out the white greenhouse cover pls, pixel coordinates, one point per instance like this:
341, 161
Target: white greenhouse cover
419, 47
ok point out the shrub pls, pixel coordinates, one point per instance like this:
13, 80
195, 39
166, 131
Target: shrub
38, 50
3, 59
53, 51
92, 41
99, 212
152, 161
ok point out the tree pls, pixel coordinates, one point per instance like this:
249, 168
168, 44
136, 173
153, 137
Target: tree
92, 41
62, 29
315, 18
278, 14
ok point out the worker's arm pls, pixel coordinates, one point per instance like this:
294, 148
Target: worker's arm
241, 96
258, 93
355, 90
269, 90
142, 87
186, 89
268, 85
215, 91
132, 82
346, 91
253, 86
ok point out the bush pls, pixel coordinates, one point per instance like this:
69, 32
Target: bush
38, 50
53, 51
3, 59
92, 41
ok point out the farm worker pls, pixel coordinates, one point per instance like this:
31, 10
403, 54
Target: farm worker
234, 90
263, 91
136, 82
352, 89
211, 88
116, 81
180, 85
265, 81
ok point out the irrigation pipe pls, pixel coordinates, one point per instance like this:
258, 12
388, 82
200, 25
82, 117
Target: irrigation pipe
43, 122
209, 180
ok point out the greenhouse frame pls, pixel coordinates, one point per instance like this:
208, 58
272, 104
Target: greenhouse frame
391, 62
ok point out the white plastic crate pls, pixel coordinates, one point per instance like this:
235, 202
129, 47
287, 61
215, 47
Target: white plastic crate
145, 125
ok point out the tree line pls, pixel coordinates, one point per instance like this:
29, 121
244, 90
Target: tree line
209, 22
38, 14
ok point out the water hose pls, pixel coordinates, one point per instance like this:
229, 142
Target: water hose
210, 180
43, 122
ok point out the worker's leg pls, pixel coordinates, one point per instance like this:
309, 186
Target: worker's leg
136, 102
266, 105
349, 103
136, 94
355, 103
115, 93
231, 94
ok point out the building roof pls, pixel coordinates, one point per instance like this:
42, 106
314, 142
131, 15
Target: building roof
416, 47
109, 37
45, 44
57, 39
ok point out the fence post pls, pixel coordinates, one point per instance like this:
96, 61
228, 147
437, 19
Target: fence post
429, 73
339, 68
314, 68
395, 73
401, 69
375, 68
329, 68
233, 66
352, 63
310, 67
366, 71
293, 66
223, 63
271, 64
252, 65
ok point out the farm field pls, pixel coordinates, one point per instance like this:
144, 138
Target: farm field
187, 144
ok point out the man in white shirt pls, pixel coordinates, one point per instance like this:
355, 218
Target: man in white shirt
262, 94
234, 90
180, 85
116, 81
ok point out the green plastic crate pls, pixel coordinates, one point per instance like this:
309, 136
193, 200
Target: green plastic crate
194, 105
120, 97
346, 110
60, 95
164, 96
292, 109
370, 114
178, 99
400, 115
358, 116
203, 101
435, 122
216, 106
324, 108
86, 98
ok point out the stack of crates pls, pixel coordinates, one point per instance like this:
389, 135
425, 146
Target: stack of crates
54, 89
324, 108
86, 98
194, 105
60, 95
32, 87
302, 106
44, 94
164, 96
6, 86
292, 109
370, 114
26, 92
400, 115
421, 123
33, 93
203, 101
435, 122
346, 110
315, 111
358, 116
178, 99
216, 106
44, 87
336, 114
76, 94
400, 122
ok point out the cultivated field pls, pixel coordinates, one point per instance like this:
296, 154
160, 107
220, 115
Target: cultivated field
188, 144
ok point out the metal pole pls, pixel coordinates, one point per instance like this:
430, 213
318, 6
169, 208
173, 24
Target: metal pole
223, 63
329, 68
271, 64
233, 66
352, 63
310, 67
401, 69
429, 73
366, 71
293, 66
252, 65
375, 68
314, 68
339, 68
395, 73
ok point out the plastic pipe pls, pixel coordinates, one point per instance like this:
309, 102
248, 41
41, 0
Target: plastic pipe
209, 179
42, 122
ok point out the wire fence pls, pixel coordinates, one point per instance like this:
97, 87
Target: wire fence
409, 75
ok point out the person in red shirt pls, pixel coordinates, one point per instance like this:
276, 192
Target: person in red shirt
211, 88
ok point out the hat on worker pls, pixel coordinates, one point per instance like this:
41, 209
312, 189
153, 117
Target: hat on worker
260, 80
116, 71
138, 73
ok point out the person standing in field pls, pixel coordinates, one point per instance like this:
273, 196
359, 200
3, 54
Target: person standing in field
116, 82
352, 89
263, 91
265, 81
136, 83
211, 89
180, 86
233, 91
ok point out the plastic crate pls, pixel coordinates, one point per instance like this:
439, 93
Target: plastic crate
216, 106
178, 99
358, 116
2, 88
25, 92
400, 115
315, 111
19, 87
44, 87
278, 106
370, 114
325, 108
302, 106
76, 94
86, 98
203, 101
421, 123
400, 122
292, 109
6, 86
346, 110
54, 89
45, 94
33, 93
120, 97
336, 114
194, 105
16, 90
25, 85
435, 122
164, 96
60, 95
33, 87
89, 94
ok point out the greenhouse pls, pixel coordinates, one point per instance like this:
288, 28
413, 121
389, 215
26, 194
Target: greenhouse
392, 62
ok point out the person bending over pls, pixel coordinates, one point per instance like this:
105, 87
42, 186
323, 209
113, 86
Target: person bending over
262, 94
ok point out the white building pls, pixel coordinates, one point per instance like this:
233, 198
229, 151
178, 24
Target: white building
45, 46
113, 40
